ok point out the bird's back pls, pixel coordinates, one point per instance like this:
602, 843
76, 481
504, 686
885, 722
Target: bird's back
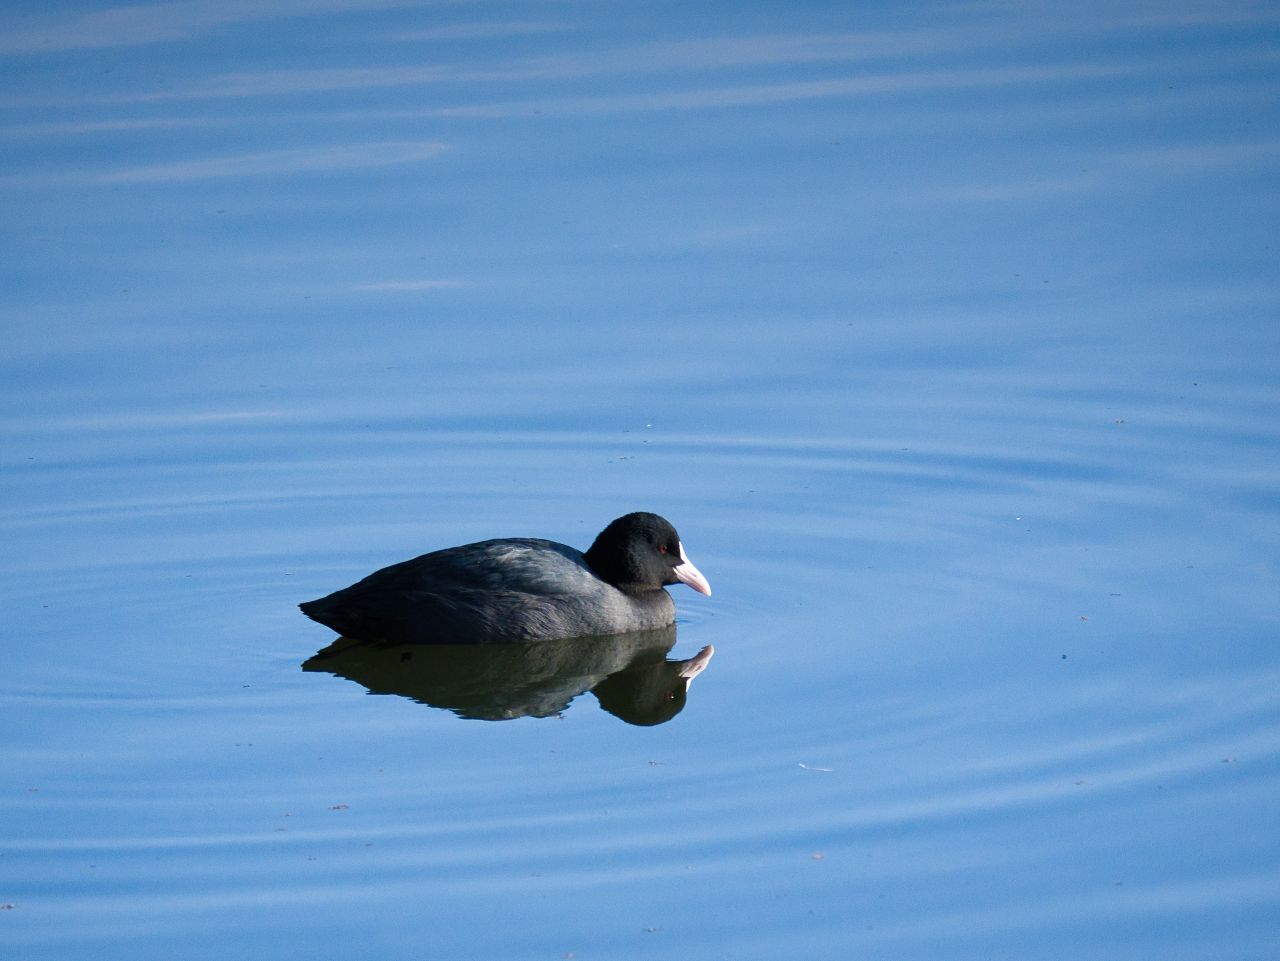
504, 589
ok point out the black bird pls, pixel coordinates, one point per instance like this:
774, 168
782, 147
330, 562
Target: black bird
520, 589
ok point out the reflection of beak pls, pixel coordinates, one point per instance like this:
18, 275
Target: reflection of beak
686, 573
694, 666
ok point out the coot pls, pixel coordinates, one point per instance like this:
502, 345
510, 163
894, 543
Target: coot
520, 589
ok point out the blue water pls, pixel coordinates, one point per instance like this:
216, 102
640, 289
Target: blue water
946, 335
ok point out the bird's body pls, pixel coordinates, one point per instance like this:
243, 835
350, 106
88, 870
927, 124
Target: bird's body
519, 589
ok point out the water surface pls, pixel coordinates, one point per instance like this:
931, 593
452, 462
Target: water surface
945, 335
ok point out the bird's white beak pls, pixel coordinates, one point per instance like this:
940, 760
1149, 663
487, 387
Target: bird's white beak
686, 573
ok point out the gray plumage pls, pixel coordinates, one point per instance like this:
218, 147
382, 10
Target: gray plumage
516, 589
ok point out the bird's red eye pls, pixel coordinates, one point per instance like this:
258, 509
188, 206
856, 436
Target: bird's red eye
662, 548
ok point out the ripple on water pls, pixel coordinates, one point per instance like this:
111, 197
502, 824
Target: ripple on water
890, 723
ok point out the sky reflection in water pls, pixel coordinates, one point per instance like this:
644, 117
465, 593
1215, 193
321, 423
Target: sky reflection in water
945, 335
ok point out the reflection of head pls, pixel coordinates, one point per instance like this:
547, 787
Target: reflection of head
629, 674
650, 694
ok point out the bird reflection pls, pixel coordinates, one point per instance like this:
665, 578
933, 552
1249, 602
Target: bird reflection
628, 673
